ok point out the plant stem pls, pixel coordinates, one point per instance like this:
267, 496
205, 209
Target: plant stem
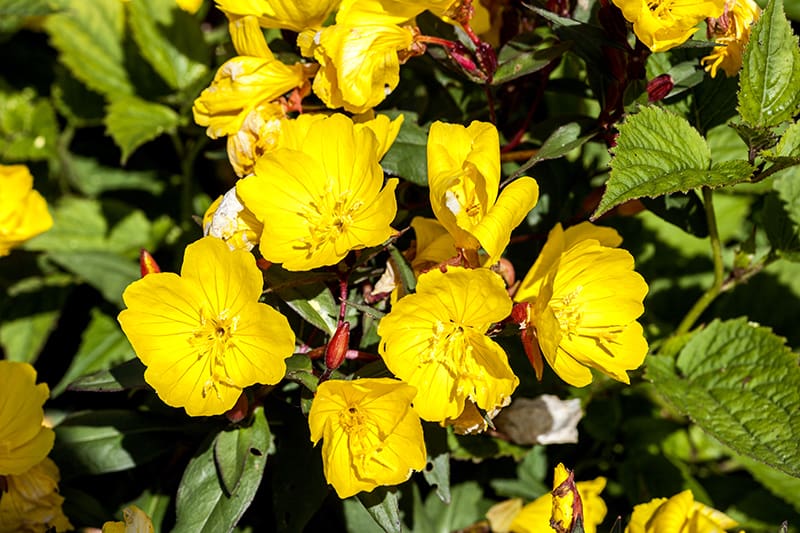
719, 269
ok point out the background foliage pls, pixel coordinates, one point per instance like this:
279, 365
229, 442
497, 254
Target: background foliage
96, 98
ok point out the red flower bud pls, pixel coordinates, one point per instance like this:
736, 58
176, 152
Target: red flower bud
659, 87
237, 413
147, 264
337, 347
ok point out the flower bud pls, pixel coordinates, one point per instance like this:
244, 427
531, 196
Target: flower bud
659, 87
147, 264
237, 413
337, 347
520, 314
567, 505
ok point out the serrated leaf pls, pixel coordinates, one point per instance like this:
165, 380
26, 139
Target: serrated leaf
103, 345
28, 8
408, 155
769, 84
170, 39
311, 300
98, 442
382, 504
88, 36
126, 376
740, 383
525, 55
202, 506
232, 449
28, 127
131, 122
561, 142
658, 153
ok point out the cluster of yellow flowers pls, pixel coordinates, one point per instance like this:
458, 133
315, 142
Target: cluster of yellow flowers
29, 498
312, 190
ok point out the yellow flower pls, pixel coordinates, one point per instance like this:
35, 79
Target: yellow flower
436, 341
391, 11
585, 300
190, 6
664, 24
24, 442
678, 514
732, 31
257, 135
359, 64
370, 434
464, 178
558, 505
319, 195
285, 14
134, 521
23, 211
227, 219
244, 83
203, 335
32, 503
434, 244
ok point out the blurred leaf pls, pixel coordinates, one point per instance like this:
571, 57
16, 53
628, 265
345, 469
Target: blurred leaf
382, 505
89, 37
126, 376
28, 127
311, 300
531, 473
131, 122
781, 230
465, 508
94, 179
28, 8
29, 313
408, 156
170, 39
525, 55
232, 449
98, 442
741, 384
588, 41
658, 153
769, 84
782, 485
788, 188
202, 504
437, 469
714, 102
684, 210
105, 271
78, 224
561, 142
787, 152
102, 346
80, 105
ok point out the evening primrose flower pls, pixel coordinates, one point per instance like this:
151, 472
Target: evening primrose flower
557, 507
32, 503
282, 14
436, 341
24, 441
464, 178
371, 436
585, 299
227, 219
23, 211
392, 11
246, 82
134, 520
678, 514
665, 24
203, 335
190, 6
732, 31
319, 195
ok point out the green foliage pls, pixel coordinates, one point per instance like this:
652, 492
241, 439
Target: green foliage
28, 127
738, 382
132, 122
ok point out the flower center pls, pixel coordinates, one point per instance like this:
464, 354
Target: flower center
568, 311
212, 339
328, 218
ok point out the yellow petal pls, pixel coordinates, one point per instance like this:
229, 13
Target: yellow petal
513, 205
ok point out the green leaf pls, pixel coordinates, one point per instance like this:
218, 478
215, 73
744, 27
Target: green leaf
28, 127
105, 271
778, 483
78, 224
98, 442
788, 188
310, 299
94, 179
129, 375
28, 8
741, 384
526, 54
658, 153
465, 508
202, 504
781, 231
170, 39
787, 152
407, 276
408, 155
437, 470
684, 210
131, 122
382, 505
102, 346
561, 142
769, 84
80, 105
88, 36
529, 483
232, 449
